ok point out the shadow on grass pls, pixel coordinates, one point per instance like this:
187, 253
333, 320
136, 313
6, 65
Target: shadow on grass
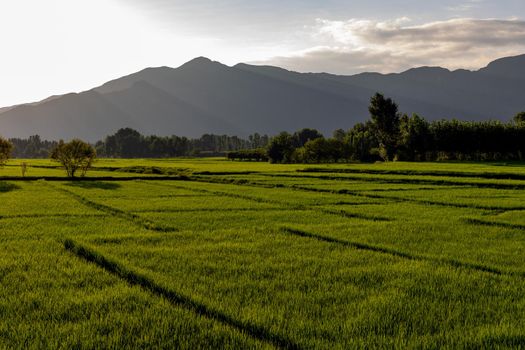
8, 187
278, 340
95, 185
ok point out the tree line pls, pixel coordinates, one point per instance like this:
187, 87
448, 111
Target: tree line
129, 143
389, 135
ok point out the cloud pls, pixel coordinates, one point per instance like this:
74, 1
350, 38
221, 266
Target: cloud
366, 45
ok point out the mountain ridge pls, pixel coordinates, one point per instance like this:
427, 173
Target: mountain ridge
205, 96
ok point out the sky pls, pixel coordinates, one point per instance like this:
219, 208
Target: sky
59, 46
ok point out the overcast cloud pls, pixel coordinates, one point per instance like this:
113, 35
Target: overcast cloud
358, 45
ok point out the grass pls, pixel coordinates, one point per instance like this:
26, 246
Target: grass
253, 255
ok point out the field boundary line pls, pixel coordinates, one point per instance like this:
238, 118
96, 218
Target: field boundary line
400, 254
335, 212
44, 216
207, 210
419, 201
226, 194
442, 173
474, 221
137, 220
88, 179
359, 194
350, 215
405, 181
175, 298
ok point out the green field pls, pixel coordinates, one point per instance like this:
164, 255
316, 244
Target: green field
207, 253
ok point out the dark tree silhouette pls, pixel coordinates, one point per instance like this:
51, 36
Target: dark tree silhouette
385, 119
258, 155
362, 143
323, 150
414, 138
74, 156
6, 148
301, 137
281, 148
519, 118
126, 143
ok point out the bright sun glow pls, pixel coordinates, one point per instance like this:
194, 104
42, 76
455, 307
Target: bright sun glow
58, 46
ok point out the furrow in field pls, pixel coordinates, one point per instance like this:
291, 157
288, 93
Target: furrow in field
445, 173
414, 200
44, 216
366, 195
231, 195
138, 220
398, 253
342, 213
92, 178
175, 298
494, 223
418, 181
349, 215
265, 184
205, 210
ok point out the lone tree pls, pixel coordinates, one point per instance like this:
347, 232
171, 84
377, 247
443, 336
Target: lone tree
6, 148
386, 122
74, 156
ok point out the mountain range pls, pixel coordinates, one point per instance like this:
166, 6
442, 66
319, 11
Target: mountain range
203, 96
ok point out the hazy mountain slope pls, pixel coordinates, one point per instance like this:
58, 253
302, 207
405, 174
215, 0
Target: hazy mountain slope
87, 115
467, 95
360, 91
261, 103
251, 102
5, 109
203, 96
155, 111
494, 92
317, 81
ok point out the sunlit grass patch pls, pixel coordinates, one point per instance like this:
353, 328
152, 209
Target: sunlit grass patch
237, 255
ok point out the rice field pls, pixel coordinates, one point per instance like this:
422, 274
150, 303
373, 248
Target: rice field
207, 253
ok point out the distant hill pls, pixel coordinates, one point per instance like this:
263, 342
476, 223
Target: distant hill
203, 96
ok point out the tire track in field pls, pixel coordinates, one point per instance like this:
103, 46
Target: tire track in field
480, 222
135, 219
50, 216
205, 210
445, 173
335, 212
389, 251
226, 194
177, 299
411, 200
405, 181
360, 194
356, 245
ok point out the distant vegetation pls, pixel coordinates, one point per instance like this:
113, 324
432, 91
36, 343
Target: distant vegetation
5, 151
129, 143
387, 136
32, 147
258, 155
